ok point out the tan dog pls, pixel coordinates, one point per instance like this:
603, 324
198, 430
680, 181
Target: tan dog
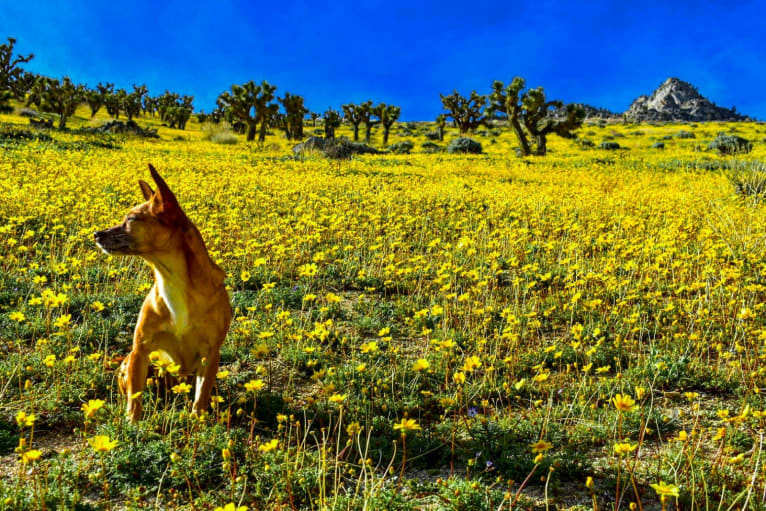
187, 313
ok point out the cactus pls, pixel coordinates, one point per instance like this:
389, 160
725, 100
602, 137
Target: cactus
96, 97
331, 121
10, 72
36, 94
62, 98
113, 102
366, 113
388, 115
294, 114
251, 104
467, 112
314, 116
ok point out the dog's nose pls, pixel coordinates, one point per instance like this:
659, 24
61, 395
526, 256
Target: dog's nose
98, 235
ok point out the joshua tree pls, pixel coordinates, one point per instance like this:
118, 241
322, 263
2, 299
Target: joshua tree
10, 71
388, 115
96, 97
366, 113
149, 106
539, 124
506, 101
294, 114
131, 103
177, 116
314, 116
331, 121
5, 102
36, 94
251, 104
353, 115
23, 84
63, 98
530, 110
114, 102
441, 122
465, 112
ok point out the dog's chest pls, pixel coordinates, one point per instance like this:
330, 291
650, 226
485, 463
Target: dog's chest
175, 301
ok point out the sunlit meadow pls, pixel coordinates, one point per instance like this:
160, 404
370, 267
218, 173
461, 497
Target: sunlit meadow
418, 331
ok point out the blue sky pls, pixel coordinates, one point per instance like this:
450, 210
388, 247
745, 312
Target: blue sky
405, 53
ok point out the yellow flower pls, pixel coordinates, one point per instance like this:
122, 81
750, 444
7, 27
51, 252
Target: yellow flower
181, 388
406, 425
222, 375
49, 360
420, 364
101, 443
25, 420
245, 276
92, 406
97, 306
17, 316
471, 363
624, 403
268, 446
369, 347
459, 378
622, 448
666, 490
254, 385
30, 456
337, 398
541, 446
62, 321
231, 507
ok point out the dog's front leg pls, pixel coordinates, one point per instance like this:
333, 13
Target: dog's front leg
205, 380
136, 371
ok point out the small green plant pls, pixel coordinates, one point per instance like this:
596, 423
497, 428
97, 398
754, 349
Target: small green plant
464, 145
730, 144
747, 177
609, 145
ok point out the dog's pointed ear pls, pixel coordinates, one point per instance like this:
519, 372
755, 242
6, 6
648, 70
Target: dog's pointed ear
145, 189
164, 201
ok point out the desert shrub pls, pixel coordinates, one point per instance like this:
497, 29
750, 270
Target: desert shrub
685, 134
609, 145
730, 144
585, 143
403, 147
10, 132
431, 135
658, 145
464, 145
220, 133
430, 147
747, 177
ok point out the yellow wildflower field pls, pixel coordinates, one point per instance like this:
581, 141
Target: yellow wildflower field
414, 331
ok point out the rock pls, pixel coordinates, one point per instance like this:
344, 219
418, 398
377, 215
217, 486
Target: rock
591, 112
676, 100
129, 127
464, 145
334, 148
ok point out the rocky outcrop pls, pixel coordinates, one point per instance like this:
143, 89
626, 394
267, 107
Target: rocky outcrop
129, 127
676, 100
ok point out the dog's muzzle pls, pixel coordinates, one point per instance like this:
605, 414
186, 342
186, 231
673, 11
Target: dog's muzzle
113, 241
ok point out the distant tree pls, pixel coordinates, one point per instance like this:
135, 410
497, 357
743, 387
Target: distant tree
5, 102
131, 103
177, 116
63, 98
294, 114
251, 104
466, 113
166, 100
353, 115
22, 84
96, 97
366, 113
388, 115
36, 95
331, 122
150, 105
507, 101
441, 122
314, 116
10, 71
114, 101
